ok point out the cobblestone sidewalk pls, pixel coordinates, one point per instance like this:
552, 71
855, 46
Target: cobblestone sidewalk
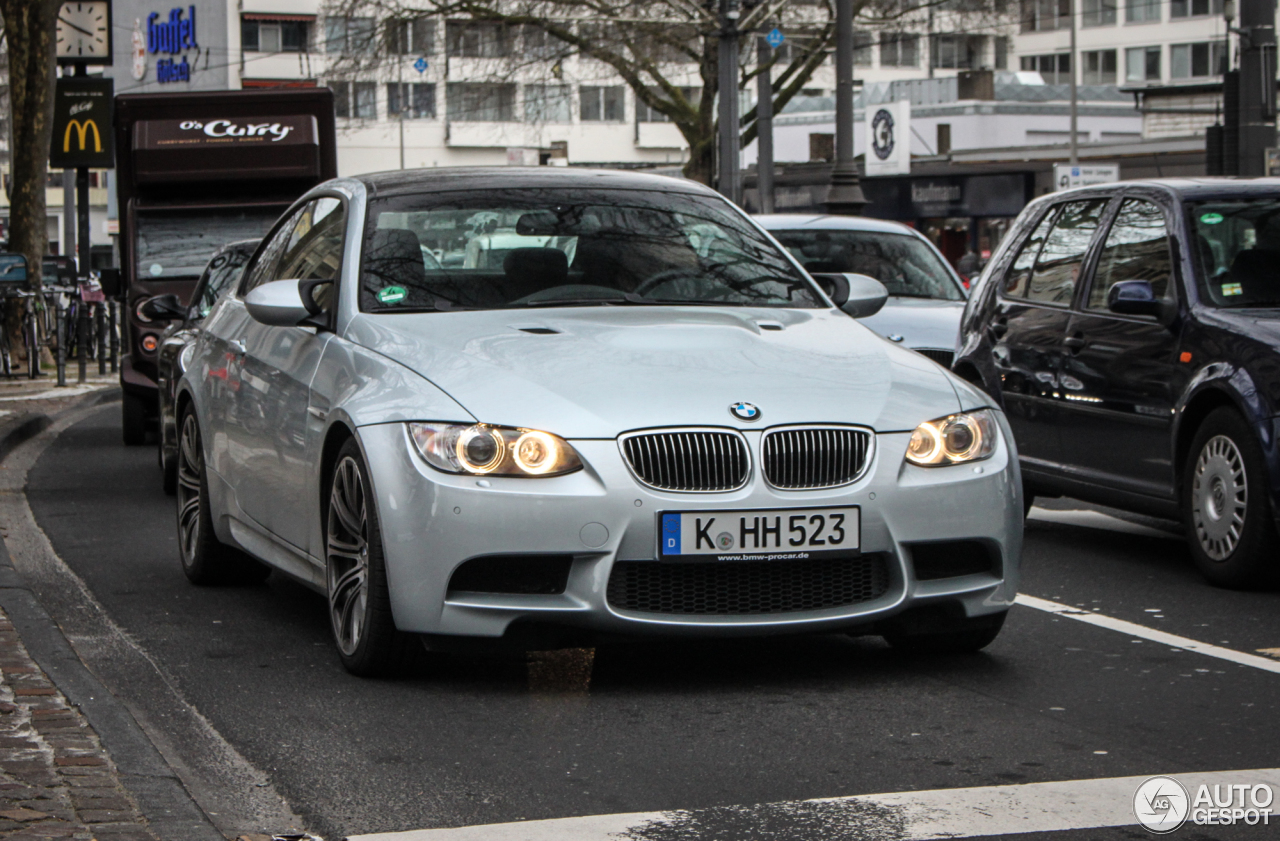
56, 781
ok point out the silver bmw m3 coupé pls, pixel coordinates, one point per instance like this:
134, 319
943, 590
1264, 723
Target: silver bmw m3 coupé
480, 403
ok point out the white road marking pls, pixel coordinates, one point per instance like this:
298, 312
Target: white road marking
65, 391
903, 816
1143, 632
1096, 520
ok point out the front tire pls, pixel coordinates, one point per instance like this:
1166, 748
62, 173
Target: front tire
1225, 503
364, 631
205, 560
965, 636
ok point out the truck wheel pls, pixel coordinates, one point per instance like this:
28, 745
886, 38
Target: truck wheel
133, 416
205, 560
1225, 503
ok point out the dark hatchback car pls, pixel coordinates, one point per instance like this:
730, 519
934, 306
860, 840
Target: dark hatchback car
222, 273
1131, 331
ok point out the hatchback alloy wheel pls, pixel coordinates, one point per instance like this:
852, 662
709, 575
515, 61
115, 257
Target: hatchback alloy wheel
347, 541
1220, 497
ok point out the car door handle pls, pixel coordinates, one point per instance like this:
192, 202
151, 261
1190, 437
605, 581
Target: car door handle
238, 347
999, 328
1075, 343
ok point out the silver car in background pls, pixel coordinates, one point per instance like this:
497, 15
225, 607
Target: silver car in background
646, 420
926, 296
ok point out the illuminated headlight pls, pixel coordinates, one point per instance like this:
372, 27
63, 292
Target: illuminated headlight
954, 439
480, 450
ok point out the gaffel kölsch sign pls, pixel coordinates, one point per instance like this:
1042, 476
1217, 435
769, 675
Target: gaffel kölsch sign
172, 36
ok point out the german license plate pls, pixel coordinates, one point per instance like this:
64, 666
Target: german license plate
780, 534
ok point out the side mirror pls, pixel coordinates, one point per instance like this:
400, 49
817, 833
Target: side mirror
277, 303
866, 295
163, 308
1134, 297
109, 279
13, 268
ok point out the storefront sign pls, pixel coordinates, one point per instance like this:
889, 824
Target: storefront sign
1066, 176
82, 110
172, 36
163, 134
888, 139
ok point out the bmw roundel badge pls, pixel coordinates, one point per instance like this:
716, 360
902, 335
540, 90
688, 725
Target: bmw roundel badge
745, 411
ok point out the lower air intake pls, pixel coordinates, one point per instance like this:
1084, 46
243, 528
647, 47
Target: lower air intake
732, 588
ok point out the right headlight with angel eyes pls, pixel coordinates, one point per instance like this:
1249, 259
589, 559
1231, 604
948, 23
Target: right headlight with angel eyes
954, 439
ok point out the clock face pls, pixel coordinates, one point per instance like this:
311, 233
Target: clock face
84, 30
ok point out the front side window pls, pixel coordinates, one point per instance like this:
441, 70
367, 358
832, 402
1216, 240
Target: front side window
1015, 282
1238, 245
560, 247
221, 274
1137, 248
906, 266
1053, 280
263, 269
314, 247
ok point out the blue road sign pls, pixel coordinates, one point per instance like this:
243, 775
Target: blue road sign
775, 38
420, 65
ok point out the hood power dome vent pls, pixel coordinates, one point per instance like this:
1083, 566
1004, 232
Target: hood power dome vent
540, 331
769, 325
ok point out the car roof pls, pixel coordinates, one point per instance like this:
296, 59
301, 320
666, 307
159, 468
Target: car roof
823, 221
408, 181
1194, 189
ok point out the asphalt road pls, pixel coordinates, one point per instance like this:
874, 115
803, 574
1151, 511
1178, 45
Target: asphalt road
675, 725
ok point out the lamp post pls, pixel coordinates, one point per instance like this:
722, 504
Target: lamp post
845, 196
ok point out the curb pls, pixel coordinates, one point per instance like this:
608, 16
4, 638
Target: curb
162, 799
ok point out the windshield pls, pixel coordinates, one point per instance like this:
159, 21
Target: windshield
223, 271
174, 244
904, 264
1239, 247
569, 247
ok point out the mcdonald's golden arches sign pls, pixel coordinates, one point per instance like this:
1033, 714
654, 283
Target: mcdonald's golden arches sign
82, 109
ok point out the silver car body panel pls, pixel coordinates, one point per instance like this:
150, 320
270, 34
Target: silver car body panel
607, 371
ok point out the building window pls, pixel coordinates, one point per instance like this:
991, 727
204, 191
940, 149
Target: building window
548, 104
478, 102
1142, 11
1196, 61
412, 36
1189, 8
1098, 13
272, 35
899, 49
478, 40
602, 103
355, 100
1055, 68
1099, 67
417, 100
348, 35
1045, 15
1142, 64
963, 52
536, 42
645, 114
1001, 45
862, 42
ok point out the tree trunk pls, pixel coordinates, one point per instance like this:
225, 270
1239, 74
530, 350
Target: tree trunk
29, 31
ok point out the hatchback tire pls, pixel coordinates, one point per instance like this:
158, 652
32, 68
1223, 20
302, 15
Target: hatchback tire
205, 559
1226, 504
359, 601
964, 637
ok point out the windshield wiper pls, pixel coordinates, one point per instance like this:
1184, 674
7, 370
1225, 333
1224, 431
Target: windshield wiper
624, 298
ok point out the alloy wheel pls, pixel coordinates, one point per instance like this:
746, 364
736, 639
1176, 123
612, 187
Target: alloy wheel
347, 542
1219, 497
190, 467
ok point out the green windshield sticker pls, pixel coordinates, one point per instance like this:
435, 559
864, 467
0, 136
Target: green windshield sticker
1211, 218
391, 294
1229, 289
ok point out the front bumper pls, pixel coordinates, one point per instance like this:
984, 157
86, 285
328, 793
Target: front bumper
432, 522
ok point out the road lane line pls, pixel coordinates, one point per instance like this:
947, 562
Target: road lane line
1143, 632
902, 816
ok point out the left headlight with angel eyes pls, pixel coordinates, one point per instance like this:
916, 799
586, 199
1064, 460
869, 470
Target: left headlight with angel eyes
955, 439
483, 450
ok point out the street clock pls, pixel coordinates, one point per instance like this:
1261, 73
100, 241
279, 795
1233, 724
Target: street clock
84, 32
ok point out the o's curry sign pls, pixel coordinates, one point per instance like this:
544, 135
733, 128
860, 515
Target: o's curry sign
82, 110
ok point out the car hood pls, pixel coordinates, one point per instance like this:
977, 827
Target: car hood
596, 372
921, 322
